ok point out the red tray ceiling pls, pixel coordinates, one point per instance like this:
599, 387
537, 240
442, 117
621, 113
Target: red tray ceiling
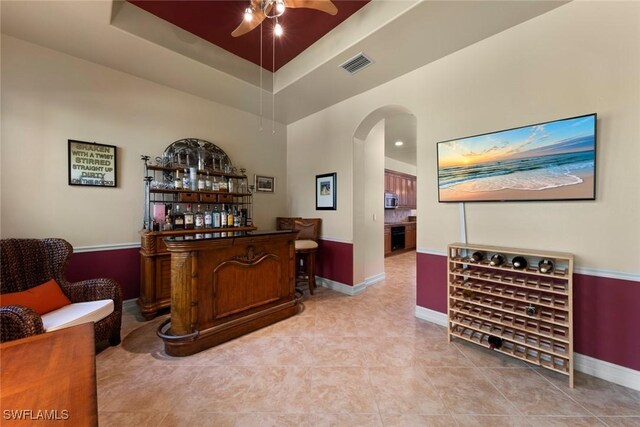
215, 20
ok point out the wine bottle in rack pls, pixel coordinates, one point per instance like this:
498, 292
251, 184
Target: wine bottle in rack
519, 262
496, 260
545, 265
477, 256
189, 222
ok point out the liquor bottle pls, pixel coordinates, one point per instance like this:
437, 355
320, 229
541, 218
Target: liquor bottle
216, 217
168, 225
199, 218
201, 185
178, 219
177, 181
185, 179
222, 183
223, 217
230, 185
188, 218
208, 219
229, 217
207, 182
236, 217
215, 185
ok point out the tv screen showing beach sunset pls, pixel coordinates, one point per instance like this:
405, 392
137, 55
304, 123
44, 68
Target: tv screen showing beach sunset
547, 161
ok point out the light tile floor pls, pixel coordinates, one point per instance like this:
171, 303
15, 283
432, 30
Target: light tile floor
345, 361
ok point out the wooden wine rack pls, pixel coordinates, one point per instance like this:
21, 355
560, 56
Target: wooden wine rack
486, 300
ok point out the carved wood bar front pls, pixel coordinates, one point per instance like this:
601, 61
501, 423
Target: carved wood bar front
226, 285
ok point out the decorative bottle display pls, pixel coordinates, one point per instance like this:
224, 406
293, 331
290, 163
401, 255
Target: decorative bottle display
168, 223
185, 179
178, 219
236, 217
199, 218
223, 217
208, 219
229, 217
189, 218
216, 218
177, 180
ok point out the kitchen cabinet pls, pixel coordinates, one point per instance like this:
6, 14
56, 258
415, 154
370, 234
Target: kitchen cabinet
387, 240
410, 236
403, 185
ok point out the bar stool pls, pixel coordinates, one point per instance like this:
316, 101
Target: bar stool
306, 245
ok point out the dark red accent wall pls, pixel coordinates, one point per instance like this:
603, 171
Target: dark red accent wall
335, 261
431, 282
122, 265
606, 312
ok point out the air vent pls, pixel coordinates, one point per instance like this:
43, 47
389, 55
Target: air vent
357, 63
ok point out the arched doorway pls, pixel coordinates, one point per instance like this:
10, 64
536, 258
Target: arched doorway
368, 190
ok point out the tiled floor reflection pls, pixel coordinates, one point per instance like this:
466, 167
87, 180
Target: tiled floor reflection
345, 361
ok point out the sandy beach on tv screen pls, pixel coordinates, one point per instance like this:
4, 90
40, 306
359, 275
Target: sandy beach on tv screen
582, 190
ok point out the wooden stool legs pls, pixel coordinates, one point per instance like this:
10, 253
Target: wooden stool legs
308, 257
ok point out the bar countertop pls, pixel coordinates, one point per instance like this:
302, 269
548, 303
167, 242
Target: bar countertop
224, 235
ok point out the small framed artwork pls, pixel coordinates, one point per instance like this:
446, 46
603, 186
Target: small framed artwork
265, 184
92, 164
326, 191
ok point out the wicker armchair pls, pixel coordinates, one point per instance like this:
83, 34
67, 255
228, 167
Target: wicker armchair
26, 263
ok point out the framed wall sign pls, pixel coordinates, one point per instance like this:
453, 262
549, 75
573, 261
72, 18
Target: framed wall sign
326, 191
92, 164
265, 184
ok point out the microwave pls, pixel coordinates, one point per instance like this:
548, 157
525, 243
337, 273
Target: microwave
390, 200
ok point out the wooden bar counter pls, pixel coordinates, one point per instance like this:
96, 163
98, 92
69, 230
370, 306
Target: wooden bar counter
224, 285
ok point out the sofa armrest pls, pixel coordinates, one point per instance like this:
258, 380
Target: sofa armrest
17, 321
92, 290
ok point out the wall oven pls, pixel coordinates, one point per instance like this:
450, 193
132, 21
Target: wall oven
390, 200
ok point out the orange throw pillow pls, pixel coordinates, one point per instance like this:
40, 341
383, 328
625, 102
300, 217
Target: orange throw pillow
42, 298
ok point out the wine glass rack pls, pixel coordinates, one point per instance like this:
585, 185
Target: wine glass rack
522, 312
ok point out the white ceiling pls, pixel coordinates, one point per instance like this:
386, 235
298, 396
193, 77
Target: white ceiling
400, 35
402, 127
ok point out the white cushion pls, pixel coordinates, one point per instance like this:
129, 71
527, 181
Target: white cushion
77, 313
305, 244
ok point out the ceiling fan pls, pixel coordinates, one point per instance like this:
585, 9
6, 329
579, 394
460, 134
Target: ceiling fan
258, 10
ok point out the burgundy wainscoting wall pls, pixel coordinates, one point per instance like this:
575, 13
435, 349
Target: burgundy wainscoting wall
335, 261
606, 312
122, 265
431, 282
606, 319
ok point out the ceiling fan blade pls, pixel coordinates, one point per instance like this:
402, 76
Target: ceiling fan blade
258, 17
322, 5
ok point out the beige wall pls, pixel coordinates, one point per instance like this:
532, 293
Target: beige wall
580, 58
398, 166
49, 97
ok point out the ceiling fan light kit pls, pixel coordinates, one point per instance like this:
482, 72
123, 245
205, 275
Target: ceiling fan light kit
258, 10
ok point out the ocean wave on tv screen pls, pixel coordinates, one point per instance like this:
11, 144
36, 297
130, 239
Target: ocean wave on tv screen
539, 179
543, 172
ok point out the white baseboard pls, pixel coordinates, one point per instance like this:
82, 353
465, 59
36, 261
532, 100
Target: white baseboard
350, 290
607, 371
431, 316
598, 368
97, 248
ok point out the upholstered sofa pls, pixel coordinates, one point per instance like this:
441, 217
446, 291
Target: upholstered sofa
27, 263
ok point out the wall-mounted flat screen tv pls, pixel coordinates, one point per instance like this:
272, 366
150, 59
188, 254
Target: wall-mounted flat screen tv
548, 161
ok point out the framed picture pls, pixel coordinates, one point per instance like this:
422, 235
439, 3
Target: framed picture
92, 164
265, 184
326, 192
